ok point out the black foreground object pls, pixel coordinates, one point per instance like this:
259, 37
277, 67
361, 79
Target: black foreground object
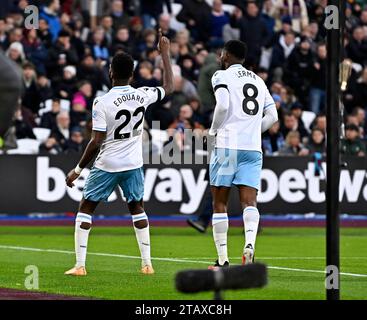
10, 91
231, 278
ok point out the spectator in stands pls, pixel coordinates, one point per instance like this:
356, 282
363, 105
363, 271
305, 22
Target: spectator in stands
66, 88
50, 146
293, 146
360, 115
107, 25
359, 91
144, 76
205, 89
60, 55
281, 52
30, 98
75, 143
151, 10
318, 86
291, 124
23, 130
16, 53
273, 140
50, 13
3, 35
219, 18
352, 144
164, 24
98, 48
196, 16
184, 90
320, 122
316, 142
43, 33
183, 122
299, 69
61, 133
90, 71
48, 119
248, 22
84, 95
297, 110
44, 88
295, 9
122, 41
78, 113
357, 47
34, 50
119, 16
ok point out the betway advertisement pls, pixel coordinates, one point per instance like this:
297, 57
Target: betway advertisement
31, 184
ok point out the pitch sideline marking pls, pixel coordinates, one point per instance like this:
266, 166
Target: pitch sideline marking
166, 259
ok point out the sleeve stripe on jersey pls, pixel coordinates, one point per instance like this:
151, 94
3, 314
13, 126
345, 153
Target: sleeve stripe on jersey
99, 129
220, 86
159, 95
269, 105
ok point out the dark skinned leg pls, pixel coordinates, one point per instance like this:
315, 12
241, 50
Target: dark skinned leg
220, 199
137, 207
248, 196
88, 207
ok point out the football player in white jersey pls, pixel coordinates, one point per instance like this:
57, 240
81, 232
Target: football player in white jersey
244, 109
117, 138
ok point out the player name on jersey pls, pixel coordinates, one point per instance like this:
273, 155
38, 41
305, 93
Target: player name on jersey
128, 97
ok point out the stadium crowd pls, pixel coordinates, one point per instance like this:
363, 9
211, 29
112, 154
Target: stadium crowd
64, 64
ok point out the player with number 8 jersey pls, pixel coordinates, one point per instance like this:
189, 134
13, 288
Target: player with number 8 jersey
117, 139
244, 109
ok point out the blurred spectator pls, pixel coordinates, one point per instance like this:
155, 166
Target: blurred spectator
23, 130
219, 18
316, 142
281, 52
98, 48
60, 55
164, 24
44, 88
318, 87
151, 10
66, 87
75, 143
273, 140
295, 9
293, 146
50, 13
61, 133
352, 144
183, 122
145, 77
34, 50
15, 53
30, 96
291, 123
205, 89
248, 22
48, 119
196, 15
357, 47
84, 95
119, 16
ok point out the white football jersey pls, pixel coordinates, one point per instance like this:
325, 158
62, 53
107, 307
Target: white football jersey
120, 113
248, 98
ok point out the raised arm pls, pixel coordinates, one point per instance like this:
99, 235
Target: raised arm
164, 49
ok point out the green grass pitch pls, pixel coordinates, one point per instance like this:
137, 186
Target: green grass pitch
295, 257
